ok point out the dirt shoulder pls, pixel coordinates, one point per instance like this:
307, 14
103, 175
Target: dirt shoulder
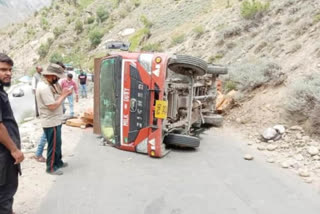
35, 183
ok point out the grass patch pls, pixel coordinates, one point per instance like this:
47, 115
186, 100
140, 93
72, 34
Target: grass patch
85, 3
137, 39
178, 39
152, 47
199, 31
57, 31
145, 21
78, 26
251, 9
316, 18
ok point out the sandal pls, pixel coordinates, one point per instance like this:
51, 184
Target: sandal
40, 159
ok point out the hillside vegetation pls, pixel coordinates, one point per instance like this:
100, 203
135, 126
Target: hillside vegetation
271, 47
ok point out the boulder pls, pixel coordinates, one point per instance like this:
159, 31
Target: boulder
280, 129
269, 134
313, 150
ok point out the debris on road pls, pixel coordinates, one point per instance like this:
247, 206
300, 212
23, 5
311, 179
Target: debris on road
248, 157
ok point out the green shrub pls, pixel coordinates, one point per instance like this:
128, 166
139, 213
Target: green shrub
95, 37
50, 41
67, 13
145, 21
138, 38
178, 39
302, 97
136, 3
116, 3
43, 50
251, 75
56, 57
199, 31
78, 27
57, 7
251, 9
85, 3
57, 31
44, 23
229, 85
90, 20
102, 14
316, 18
152, 47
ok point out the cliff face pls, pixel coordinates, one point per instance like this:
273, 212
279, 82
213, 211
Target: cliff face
16, 10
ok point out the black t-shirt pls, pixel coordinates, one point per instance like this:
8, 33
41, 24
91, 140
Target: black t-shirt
83, 79
8, 120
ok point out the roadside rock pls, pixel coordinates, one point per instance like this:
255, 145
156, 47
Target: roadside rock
304, 173
261, 147
313, 150
248, 157
280, 129
270, 160
269, 134
285, 165
272, 147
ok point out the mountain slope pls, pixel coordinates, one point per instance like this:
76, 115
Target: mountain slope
15, 10
268, 54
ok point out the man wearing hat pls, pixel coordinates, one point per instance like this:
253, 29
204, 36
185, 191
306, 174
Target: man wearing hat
50, 97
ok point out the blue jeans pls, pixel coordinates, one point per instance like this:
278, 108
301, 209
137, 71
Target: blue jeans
70, 100
83, 90
41, 145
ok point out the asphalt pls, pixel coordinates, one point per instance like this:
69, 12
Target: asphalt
214, 179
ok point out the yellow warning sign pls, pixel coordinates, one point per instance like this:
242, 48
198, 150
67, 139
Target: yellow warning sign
161, 109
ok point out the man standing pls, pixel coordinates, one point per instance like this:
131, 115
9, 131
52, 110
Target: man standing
50, 97
42, 142
72, 85
35, 79
10, 154
83, 84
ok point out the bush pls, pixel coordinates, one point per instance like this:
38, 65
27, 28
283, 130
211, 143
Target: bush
251, 9
44, 23
154, 47
229, 85
302, 97
90, 20
95, 37
43, 50
102, 14
138, 38
145, 21
249, 76
56, 57
199, 31
57, 31
136, 3
78, 27
316, 18
177, 39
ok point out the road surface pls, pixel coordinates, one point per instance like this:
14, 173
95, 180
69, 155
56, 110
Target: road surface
213, 179
22, 107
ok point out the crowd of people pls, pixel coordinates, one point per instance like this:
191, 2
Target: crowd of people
51, 88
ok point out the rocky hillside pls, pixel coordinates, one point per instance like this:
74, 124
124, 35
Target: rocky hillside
271, 48
15, 10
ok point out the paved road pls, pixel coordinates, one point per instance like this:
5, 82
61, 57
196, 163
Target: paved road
22, 106
213, 179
